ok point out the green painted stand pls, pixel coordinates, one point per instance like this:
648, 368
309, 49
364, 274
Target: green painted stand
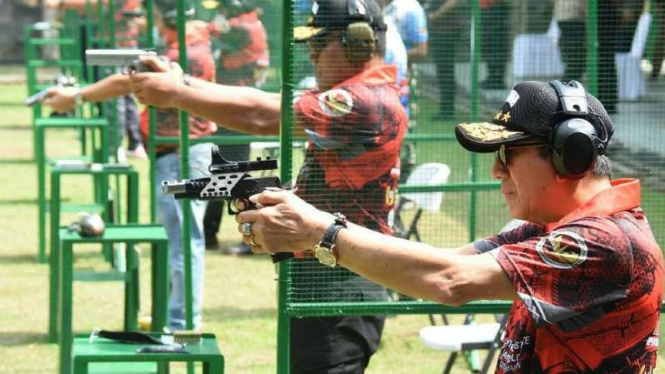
41, 125
107, 351
62, 277
100, 174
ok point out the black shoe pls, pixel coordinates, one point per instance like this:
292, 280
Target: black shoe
239, 249
492, 85
211, 243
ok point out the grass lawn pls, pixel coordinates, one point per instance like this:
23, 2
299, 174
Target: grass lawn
240, 298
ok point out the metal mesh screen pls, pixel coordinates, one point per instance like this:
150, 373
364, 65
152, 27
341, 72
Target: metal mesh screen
466, 75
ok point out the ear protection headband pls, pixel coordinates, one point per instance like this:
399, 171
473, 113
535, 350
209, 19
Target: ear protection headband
574, 143
359, 38
171, 17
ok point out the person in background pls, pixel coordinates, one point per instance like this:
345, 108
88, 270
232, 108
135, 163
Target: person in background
496, 25
585, 273
571, 17
167, 162
85, 40
617, 21
658, 11
608, 20
447, 19
243, 61
127, 20
396, 55
354, 123
411, 22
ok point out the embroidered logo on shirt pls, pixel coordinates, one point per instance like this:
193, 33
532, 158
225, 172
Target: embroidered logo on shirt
336, 102
562, 249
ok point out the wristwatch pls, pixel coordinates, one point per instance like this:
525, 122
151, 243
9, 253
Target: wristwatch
325, 250
187, 79
78, 98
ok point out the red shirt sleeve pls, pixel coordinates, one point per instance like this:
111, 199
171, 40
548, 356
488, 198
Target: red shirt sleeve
355, 131
567, 276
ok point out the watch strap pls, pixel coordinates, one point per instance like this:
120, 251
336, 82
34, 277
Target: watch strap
187, 79
329, 237
78, 98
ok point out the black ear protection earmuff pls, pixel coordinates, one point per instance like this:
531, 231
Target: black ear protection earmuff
574, 143
170, 17
359, 38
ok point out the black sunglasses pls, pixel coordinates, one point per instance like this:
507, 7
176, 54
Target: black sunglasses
503, 152
318, 43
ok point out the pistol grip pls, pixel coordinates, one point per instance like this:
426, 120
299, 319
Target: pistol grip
138, 67
233, 208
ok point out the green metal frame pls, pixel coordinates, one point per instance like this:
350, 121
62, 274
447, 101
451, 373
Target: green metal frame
107, 351
128, 234
55, 207
286, 309
286, 134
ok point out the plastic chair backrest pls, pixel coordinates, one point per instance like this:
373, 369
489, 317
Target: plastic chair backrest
429, 174
641, 35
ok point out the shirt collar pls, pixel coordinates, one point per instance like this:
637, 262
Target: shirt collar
376, 75
623, 195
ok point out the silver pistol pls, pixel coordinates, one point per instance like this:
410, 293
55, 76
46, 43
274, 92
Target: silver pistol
118, 57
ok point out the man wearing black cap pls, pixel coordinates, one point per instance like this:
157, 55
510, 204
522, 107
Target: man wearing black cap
585, 273
354, 124
167, 162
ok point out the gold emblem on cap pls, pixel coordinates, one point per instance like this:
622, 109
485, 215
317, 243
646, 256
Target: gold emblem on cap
487, 132
506, 117
210, 4
306, 32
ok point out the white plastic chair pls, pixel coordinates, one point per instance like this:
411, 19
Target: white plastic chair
630, 79
468, 336
429, 174
537, 55
460, 338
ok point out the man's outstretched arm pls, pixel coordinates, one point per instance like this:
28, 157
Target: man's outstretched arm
63, 99
78, 5
242, 109
285, 222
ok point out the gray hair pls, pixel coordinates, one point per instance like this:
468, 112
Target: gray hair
602, 167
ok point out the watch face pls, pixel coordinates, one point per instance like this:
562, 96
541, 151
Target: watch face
325, 256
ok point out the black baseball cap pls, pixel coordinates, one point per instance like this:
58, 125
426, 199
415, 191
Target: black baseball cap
530, 112
334, 15
236, 7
